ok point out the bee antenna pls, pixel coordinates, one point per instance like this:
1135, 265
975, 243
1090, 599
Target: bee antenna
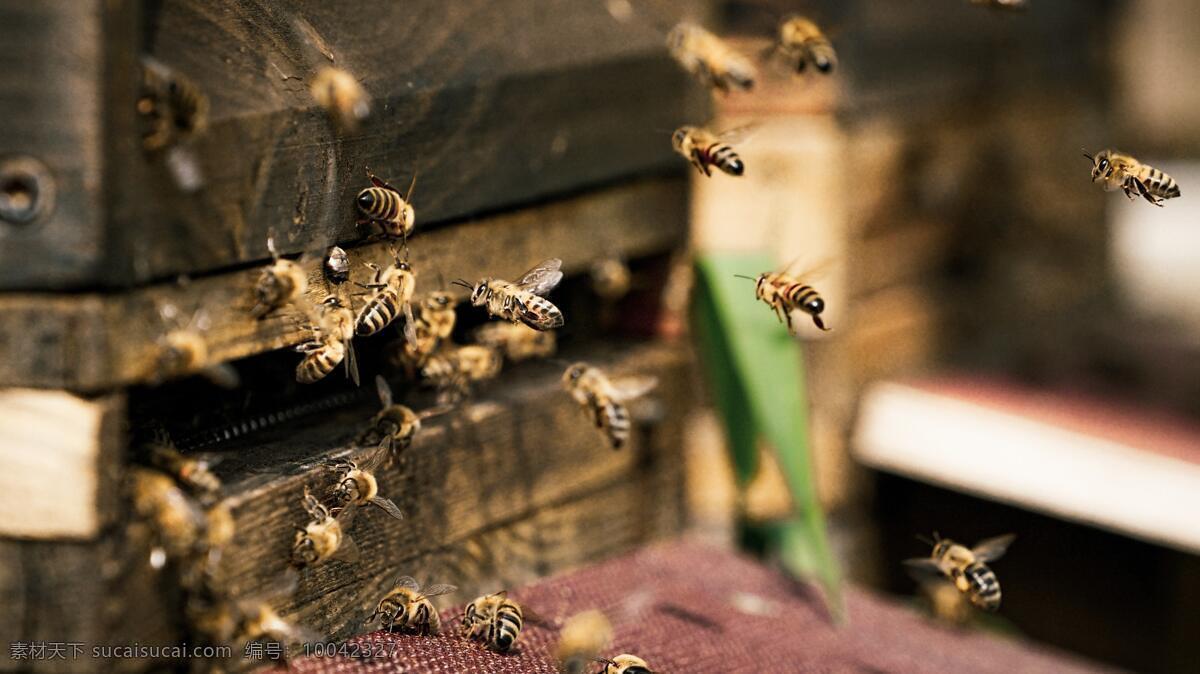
1086, 154
748, 278
463, 283
925, 539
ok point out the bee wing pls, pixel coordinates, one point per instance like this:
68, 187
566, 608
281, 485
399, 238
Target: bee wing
739, 134
410, 330
347, 551
384, 391
991, 549
628, 388
374, 460
922, 569
542, 278
435, 411
407, 582
352, 364
438, 590
345, 516
388, 507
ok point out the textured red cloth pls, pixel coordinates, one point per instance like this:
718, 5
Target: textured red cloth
690, 608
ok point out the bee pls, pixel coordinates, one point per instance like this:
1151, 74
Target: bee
1122, 171
603, 398
583, 637
495, 620
967, 567
625, 664
705, 149
342, 96
324, 537
336, 266
172, 107
394, 427
236, 623
408, 607
278, 285
382, 206
178, 522
611, 278
433, 320
800, 42
453, 369
393, 290
358, 486
1017, 5
709, 59
193, 472
523, 301
329, 345
183, 350
517, 341
785, 293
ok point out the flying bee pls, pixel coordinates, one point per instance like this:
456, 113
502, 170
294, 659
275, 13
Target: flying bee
710, 59
625, 664
324, 537
495, 620
523, 301
583, 637
604, 399
330, 344
408, 607
785, 293
967, 567
705, 149
342, 96
1122, 171
453, 369
183, 350
337, 266
279, 284
172, 107
1010, 5
394, 427
801, 42
517, 341
611, 278
382, 206
393, 290
358, 486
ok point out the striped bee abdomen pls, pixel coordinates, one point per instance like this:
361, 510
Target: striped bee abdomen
800, 295
614, 419
319, 363
1160, 184
379, 203
378, 313
506, 626
537, 312
984, 588
725, 158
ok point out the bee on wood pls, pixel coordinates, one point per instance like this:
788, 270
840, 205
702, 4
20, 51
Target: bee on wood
382, 206
1011, 5
394, 427
408, 607
183, 350
801, 42
1122, 171
452, 369
172, 107
337, 266
583, 637
193, 472
708, 58
785, 293
523, 301
604, 399
611, 278
358, 486
225, 621
517, 341
433, 319
967, 567
325, 536
278, 285
625, 664
342, 97
329, 345
178, 522
705, 149
495, 620
393, 290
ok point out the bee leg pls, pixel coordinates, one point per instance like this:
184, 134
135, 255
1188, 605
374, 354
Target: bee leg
1144, 191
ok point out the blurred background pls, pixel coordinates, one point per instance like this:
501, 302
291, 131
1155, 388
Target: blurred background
1013, 349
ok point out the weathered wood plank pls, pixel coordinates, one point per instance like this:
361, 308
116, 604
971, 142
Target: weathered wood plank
517, 449
495, 103
94, 342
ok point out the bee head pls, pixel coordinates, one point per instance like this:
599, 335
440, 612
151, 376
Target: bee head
574, 372
440, 299
366, 199
1101, 165
479, 293
678, 138
403, 266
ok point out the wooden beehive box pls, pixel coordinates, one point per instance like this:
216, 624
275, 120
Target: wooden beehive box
535, 129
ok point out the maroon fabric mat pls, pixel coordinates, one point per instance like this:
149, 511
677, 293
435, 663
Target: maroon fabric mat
675, 606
